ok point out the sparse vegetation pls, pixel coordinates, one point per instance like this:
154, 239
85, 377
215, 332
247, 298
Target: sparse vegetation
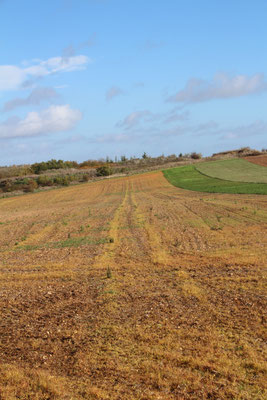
55, 173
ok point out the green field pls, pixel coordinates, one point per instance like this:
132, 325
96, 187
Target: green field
236, 170
190, 178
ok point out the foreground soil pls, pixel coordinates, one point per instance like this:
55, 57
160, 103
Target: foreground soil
131, 288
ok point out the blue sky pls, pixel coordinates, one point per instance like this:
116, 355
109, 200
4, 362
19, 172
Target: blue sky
87, 79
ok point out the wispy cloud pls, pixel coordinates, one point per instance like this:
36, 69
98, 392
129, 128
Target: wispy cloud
145, 116
72, 50
134, 118
221, 86
114, 91
13, 77
244, 131
175, 116
56, 118
36, 97
112, 138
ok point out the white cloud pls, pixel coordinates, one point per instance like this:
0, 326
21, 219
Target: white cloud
114, 91
57, 64
56, 118
221, 87
12, 77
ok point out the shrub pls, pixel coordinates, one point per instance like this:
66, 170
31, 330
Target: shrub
58, 180
62, 180
30, 186
196, 156
85, 178
65, 181
52, 164
7, 186
104, 171
44, 180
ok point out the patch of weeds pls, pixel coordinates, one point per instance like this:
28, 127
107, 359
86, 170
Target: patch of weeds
81, 228
110, 292
219, 217
64, 222
109, 273
216, 228
76, 242
100, 228
176, 243
28, 247
70, 242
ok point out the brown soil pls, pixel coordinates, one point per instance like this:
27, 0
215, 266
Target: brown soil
259, 160
130, 288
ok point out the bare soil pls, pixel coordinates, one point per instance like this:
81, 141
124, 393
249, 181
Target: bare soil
259, 160
130, 288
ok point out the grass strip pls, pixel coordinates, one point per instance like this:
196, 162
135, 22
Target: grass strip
189, 178
236, 170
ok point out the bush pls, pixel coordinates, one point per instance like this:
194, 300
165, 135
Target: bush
58, 180
30, 186
65, 181
44, 180
61, 180
37, 168
196, 156
104, 171
7, 186
85, 178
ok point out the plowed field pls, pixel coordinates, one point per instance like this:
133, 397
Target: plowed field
259, 160
131, 289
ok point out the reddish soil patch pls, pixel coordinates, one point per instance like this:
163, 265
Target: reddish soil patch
259, 160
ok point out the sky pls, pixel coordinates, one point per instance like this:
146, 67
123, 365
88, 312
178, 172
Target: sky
87, 79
